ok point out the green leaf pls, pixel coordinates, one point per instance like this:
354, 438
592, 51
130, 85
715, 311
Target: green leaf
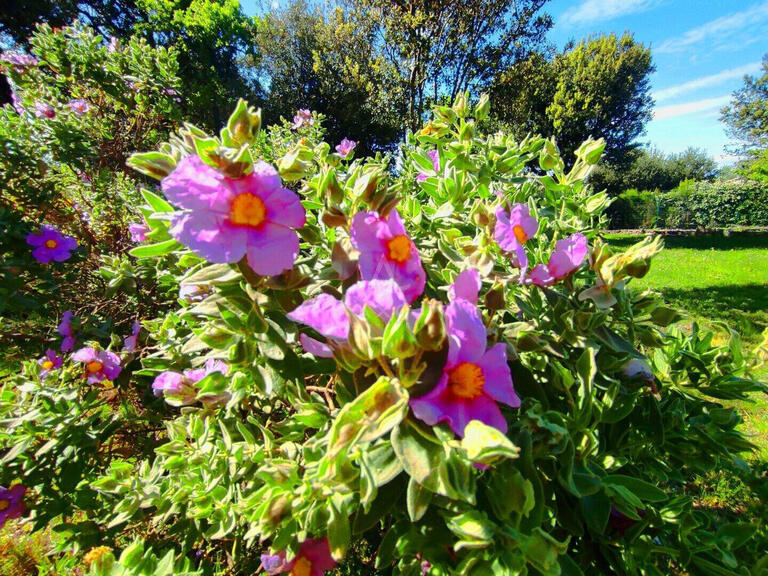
642, 489
485, 444
418, 499
155, 250
158, 203
473, 529
339, 532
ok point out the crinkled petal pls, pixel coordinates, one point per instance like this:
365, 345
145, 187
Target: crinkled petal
540, 276
483, 408
498, 378
167, 382
284, 207
85, 355
382, 296
315, 347
466, 286
194, 185
325, 314
208, 235
568, 255
366, 232
272, 249
466, 331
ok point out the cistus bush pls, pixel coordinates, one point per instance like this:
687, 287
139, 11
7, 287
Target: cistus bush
427, 364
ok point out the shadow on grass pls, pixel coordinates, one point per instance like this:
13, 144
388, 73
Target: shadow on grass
742, 306
707, 242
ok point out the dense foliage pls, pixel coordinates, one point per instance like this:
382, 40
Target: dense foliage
436, 367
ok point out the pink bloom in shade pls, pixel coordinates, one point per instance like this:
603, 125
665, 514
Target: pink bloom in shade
303, 117
638, 368
474, 379
513, 230
568, 256
386, 251
466, 286
181, 387
313, 559
541, 276
129, 342
138, 231
100, 365
65, 329
345, 147
225, 218
79, 106
19, 62
44, 110
435, 157
49, 362
194, 293
11, 503
50, 244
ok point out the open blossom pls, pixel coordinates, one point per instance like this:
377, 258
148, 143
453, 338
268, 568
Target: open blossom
49, 362
181, 387
568, 256
313, 559
386, 251
100, 365
435, 157
79, 106
466, 286
224, 219
18, 61
345, 147
44, 110
330, 317
11, 503
138, 231
129, 342
303, 117
50, 244
513, 230
65, 329
474, 379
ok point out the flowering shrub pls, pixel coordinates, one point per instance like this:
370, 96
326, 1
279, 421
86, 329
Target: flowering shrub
382, 371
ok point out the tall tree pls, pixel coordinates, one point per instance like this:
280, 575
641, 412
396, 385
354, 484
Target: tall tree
746, 117
598, 87
442, 48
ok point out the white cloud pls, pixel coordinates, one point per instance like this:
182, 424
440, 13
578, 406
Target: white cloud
749, 24
706, 81
591, 11
705, 105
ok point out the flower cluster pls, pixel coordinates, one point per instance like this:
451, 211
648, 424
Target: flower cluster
303, 117
180, 389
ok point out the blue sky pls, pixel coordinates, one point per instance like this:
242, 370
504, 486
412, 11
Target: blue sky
701, 49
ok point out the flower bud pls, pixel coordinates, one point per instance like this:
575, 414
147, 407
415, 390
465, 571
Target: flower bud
549, 157
482, 108
430, 326
333, 216
293, 166
243, 125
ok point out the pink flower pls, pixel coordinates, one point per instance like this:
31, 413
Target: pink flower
114, 45
514, 230
435, 157
19, 62
313, 559
637, 368
345, 147
79, 106
466, 286
50, 244
65, 329
11, 503
474, 379
330, 317
194, 293
181, 388
100, 365
129, 342
16, 103
386, 251
567, 258
303, 117
49, 362
138, 231
44, 110
225, 218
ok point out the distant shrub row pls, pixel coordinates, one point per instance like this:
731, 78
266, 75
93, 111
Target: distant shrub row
693, 205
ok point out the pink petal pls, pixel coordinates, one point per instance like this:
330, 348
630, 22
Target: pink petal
315, 347
498, 378
325, 314
284, 208
467, 332
208, 235
272, 249
466, 286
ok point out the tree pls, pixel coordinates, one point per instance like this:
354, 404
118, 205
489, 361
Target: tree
440, 49
598, 87
746, 117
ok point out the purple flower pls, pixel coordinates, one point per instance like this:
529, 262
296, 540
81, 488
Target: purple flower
225, 219
386, 251
11, 503
637, 368
114, 44
50, 244
79, 106
474, 379
65, 329
330, 317
193, 293
435, 157
303, 117
19, 62
568, 256
466, 286
180, 388
514, 230
313, 559
346, 147
129, 343
100, 365
138, 231
16, 103
49, 362
44, 110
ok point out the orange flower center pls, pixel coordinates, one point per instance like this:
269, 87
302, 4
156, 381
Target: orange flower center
302, 567
520, 233
399, 248
247, 210
51, 244
94, 366
466, 380
47, 365
4, 504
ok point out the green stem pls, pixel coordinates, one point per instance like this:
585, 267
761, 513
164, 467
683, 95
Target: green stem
250, 276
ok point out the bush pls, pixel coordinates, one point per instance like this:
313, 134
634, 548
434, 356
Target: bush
473, 389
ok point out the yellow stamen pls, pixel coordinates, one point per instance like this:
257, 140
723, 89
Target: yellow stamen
95, 554
520, 233
4, 504
247, 210
302, 567
47, 365
51, 244
94, 366
399, 248
466, 380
